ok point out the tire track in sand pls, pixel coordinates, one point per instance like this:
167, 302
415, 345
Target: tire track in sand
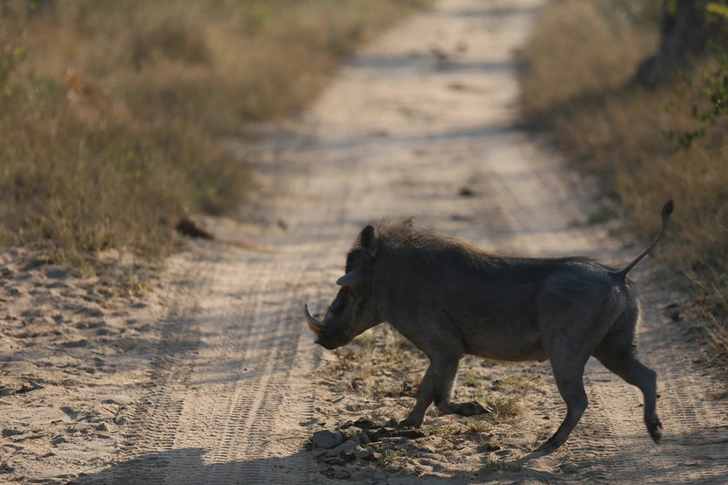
153, 422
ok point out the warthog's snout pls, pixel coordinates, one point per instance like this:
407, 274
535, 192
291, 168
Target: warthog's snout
450, 299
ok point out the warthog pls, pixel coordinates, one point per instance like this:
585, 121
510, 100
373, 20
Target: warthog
449, 299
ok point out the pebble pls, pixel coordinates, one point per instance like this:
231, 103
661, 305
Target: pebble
327, 439
56, 272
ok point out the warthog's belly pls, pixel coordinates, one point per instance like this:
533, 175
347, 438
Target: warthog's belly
512, 348
512, 355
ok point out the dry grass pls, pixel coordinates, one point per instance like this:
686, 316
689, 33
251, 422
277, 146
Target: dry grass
114, 114
492, 463
219, 63
517, 384
580, 48
503, 407
379, 363
74, 188
618, 131
478, 426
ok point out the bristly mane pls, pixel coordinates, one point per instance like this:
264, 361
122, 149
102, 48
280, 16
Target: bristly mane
402, 233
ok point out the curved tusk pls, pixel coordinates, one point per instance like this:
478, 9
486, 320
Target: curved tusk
316, 327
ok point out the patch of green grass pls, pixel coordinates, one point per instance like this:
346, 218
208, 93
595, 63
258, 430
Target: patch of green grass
470, 379
390, 457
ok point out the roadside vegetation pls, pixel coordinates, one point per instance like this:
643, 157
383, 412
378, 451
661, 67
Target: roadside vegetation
114, 115
646, 144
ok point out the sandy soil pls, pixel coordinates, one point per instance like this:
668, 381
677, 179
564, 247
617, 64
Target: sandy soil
212, 377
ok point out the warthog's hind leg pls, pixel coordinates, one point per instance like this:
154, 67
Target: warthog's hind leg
616, 353
567, 361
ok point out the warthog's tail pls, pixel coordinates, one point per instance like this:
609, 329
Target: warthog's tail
666, 211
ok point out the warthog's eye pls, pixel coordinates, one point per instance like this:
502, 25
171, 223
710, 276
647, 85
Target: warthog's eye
351, 259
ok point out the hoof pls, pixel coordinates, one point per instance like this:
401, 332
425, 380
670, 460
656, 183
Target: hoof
546, 448
654, 427
410, 423
480, 409
469, 409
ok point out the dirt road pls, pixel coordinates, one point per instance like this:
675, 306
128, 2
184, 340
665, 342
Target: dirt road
420, 123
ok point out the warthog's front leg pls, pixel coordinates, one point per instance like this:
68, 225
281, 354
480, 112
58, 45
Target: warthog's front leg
424, 399
436, 386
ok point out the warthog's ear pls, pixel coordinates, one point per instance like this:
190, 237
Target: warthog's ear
368, 241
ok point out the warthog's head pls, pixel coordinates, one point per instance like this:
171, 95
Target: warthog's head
353, 310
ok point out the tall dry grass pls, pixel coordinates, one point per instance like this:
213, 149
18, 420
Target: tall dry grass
620, 132
582, 48
220, 63
114, 114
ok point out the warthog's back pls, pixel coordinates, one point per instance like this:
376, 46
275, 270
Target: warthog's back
502, 308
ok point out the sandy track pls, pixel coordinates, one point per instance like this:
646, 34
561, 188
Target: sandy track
227, 394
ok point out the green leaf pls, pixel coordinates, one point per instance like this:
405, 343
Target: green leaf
718, 9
